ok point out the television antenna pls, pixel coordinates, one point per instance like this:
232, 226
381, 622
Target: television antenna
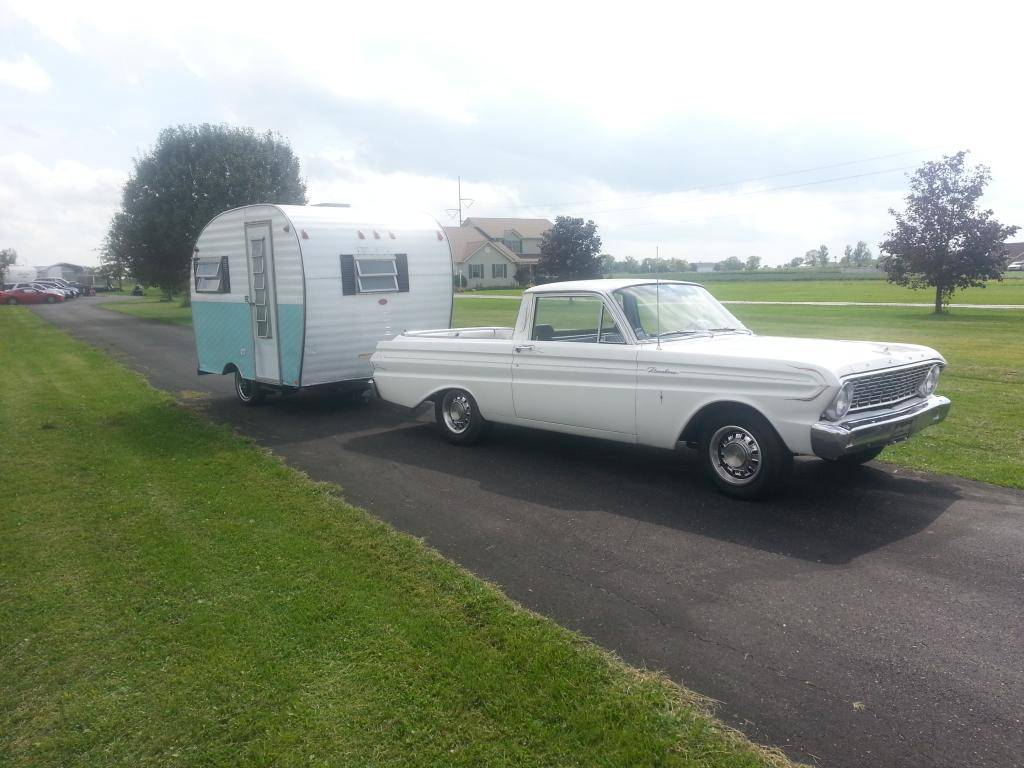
452, 212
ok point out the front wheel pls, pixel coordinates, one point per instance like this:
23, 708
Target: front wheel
50, 299
459, 417
12, 300
744, 457
248, 391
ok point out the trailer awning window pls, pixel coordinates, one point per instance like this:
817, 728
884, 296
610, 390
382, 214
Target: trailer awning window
374, 274
211, 275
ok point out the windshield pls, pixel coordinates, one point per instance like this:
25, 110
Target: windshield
671, 308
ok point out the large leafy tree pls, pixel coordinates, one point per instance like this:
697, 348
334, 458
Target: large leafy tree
192, 174
943, 240
859, 256
570, 251
8, 258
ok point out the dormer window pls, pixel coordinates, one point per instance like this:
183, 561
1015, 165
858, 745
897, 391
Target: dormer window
513, 241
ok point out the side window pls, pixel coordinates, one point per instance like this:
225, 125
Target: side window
374, 273
567, 318
212, 275
610, 333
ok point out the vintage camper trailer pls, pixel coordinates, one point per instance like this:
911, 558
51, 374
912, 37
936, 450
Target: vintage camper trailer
285, 297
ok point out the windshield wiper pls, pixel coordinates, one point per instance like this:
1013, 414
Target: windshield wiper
727, 330
679, 332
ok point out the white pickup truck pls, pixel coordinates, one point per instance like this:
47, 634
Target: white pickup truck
659, 363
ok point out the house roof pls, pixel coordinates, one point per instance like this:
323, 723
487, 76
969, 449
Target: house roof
496, 228
1014, 250
466, 241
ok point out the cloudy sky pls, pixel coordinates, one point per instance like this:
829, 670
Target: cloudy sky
707, 131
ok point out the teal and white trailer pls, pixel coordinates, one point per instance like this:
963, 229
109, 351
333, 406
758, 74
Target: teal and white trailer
285, 297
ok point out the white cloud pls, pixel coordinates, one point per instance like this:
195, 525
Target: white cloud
24, 74
55, 212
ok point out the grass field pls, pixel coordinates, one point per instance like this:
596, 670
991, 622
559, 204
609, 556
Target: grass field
981, 440
172, 595
152, 308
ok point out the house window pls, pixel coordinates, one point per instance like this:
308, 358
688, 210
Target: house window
499, 270
376, 275
211, 275
513, 241
476, 271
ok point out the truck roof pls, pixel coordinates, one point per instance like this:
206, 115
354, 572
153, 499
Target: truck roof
606, 284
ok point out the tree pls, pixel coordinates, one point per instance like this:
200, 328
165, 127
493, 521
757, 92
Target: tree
753, 263
797, 261
630, 265
8, 258
860, 256
569, 251
942, 239
192, 174
732, 263
822, 255
608, 263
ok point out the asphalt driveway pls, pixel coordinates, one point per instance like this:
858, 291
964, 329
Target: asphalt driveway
869, 617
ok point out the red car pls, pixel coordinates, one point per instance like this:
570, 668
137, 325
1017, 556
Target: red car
30, 296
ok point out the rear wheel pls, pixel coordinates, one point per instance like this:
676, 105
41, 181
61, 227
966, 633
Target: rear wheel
860, 457
459, 417
743, 455
248, 391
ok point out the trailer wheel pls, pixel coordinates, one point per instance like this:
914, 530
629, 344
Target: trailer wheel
459, 417
248, 391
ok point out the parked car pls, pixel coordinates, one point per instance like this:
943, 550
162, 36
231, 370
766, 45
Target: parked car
1015, 266
59, 285
138, 291
46, 288
30, 296
663, 363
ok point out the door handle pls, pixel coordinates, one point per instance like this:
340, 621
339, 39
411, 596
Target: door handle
524, 347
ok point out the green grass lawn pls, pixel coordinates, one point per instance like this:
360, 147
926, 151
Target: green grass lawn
170, 594
152, 308
980, 440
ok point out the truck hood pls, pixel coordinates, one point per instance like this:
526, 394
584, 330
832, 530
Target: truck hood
841, 358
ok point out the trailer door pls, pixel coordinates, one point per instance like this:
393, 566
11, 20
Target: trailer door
262, 300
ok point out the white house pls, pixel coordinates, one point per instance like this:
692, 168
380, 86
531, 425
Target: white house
703, 266
489, 253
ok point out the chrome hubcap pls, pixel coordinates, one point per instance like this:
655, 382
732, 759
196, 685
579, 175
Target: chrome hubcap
244, 386
735, 455
458, 413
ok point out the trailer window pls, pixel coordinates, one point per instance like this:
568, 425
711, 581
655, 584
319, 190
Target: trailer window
376, 275
211, 276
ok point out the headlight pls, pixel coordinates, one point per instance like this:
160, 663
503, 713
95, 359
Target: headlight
931, 381
840, 403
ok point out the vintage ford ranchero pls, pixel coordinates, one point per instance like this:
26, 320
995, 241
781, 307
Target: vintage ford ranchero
663, 362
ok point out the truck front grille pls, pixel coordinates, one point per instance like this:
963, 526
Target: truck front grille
886, 388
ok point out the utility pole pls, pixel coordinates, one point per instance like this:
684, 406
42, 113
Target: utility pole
467, 200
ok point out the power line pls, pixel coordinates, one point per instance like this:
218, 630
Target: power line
705, 187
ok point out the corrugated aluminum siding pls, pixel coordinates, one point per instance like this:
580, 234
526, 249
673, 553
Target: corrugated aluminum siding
342, 331
225, 236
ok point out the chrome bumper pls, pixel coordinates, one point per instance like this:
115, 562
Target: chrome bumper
831, 440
